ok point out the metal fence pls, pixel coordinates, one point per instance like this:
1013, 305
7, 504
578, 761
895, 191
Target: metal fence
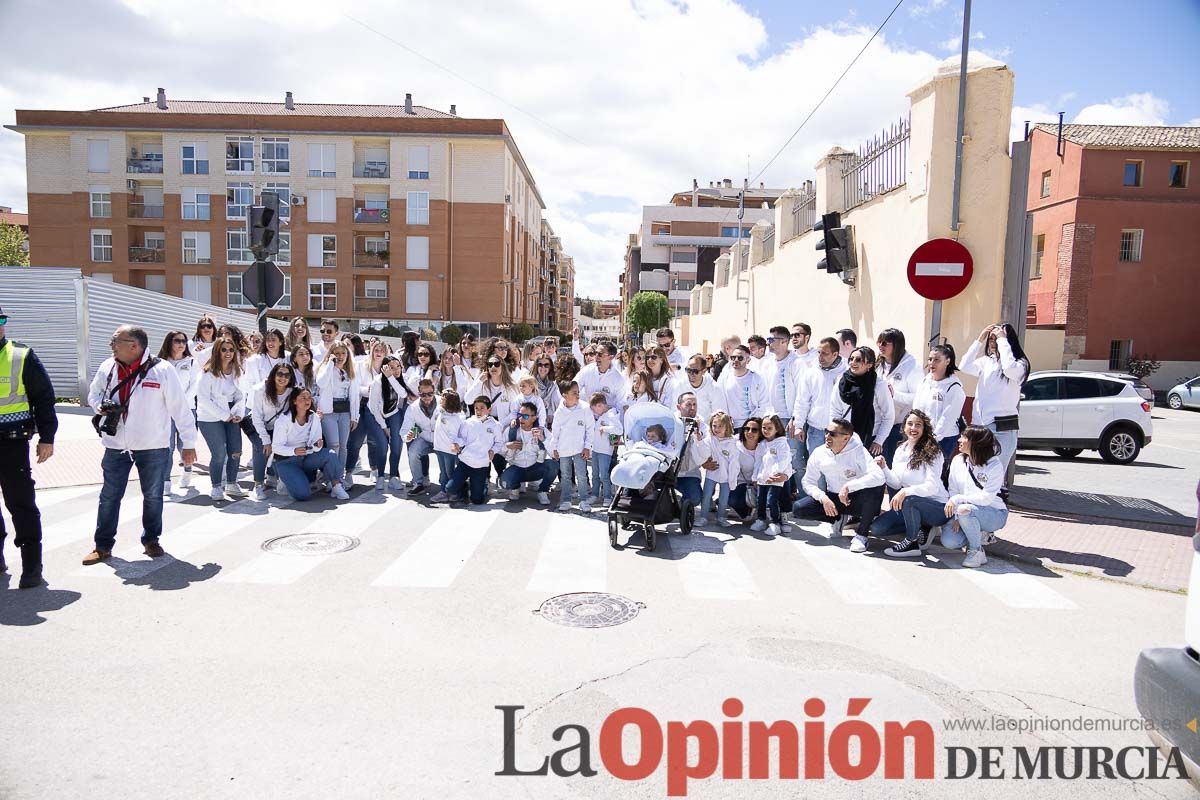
879, 166
768, 247
803, 216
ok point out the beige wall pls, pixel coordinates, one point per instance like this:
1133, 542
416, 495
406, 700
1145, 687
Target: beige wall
1045, 347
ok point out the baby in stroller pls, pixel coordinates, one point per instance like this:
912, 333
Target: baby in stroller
650, 448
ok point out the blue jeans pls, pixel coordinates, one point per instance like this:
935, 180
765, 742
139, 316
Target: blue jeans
177, 445
892, 442
152, 470
770, 500
259, 458
915, 513
418, 459
864, 502
949, 447
476, 477
1007, 441
335, 429
740, 499
543, 473
298, 472
395, 443
224, 441
601, 466
447, 462
722, 498
981, 518
368, 430
815, 437
691, 489
570, 469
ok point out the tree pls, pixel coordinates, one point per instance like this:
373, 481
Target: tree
647, 311
521, 332
12, 246
587, 307
452, 334
1142, 366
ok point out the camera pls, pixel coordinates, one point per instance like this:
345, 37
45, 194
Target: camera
108, 419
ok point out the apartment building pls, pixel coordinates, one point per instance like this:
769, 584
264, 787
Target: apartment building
1115, 238
396, 214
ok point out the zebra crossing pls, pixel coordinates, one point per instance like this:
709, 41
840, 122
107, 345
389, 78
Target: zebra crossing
410, 546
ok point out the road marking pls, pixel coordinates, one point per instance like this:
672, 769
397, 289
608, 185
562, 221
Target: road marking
1010, 585
439, 554
857, 578
49, 498
82, 526
573, 558
711, 568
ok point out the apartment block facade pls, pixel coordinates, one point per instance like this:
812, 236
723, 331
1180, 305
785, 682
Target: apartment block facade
392, 214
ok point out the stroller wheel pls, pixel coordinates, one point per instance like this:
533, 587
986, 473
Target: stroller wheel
687, 516
651, 537
613, 527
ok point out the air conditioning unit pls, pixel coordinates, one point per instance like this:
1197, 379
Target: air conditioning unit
297, 200
131, 185
508, 198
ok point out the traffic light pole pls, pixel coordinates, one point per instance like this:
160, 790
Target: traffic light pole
935, 327
262, 307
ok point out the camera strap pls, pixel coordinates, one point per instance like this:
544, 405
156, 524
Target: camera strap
135, 377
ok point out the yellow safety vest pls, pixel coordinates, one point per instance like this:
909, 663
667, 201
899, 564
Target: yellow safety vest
12, 379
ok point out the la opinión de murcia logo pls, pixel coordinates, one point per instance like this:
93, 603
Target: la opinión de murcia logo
853, 749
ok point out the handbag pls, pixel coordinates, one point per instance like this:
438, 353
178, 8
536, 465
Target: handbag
1009, 422
341, 406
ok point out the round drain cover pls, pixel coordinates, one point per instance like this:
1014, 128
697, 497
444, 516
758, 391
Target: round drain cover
310, 544
589, 609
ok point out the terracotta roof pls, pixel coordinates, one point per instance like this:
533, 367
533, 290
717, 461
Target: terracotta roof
13, 218
1127, 137
278, 109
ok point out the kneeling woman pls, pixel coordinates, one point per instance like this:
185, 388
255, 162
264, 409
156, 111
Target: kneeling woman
298, 450
975, 511
914, 480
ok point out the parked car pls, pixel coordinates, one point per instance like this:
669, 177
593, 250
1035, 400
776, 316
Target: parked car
1166, 681
1143, 388
1069, 412
1185, 395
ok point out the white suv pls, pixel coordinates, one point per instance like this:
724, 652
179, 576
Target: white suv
1069, 412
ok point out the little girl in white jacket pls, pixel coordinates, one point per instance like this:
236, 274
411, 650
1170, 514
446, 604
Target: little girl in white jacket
722, 448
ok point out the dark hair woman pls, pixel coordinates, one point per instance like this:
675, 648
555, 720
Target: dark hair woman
903, 374
997, 359
864, 399
975, 507
267, 402
914, 479
175, 351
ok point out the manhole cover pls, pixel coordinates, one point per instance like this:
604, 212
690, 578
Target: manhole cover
589, 609
310, 544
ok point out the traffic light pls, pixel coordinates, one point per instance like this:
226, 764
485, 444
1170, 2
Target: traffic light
264, 226
838, 244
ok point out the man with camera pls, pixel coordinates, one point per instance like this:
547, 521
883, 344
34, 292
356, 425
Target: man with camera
26, 404
136, 398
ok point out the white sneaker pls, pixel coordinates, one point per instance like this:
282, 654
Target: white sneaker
440, 497
774, 529
395, 484
724, 522
270, 482
260, 493
234, 490
759, 525
185, 480
544, 498
379, 483
858, 544
975, 558
514, 494
565, 505
339, 492
282, 491
593, 500
701, 521
166, 488
218, 492
585, 506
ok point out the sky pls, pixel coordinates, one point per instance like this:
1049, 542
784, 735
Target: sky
615, 104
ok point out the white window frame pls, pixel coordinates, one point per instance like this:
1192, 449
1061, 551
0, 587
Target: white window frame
284, 190
284, 257
100, 201
98, 248
375, 289
418, 157
98, 161
322, 205
285, 300
199, 249
322, 250
1135, 249
416, 290
322, 160
198, 159
323, 295
376, 244
107, 277
416, 208
240, 163
197, 280
234, 279
234, 189
237, 248
192, 206
279, 162
376, 201
416, 252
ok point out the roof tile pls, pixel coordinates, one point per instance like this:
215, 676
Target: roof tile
278, 109
1140, 137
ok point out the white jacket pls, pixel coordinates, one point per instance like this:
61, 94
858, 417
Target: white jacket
375, 400
884, 418
903, 380
502, 398
942, 401
853, 468
923, 481
263, 413
527, 455
611, 383
219, 397
963, 486
189, 377
288, 435
481, 437
415, 415
448, 431
782, 378
606, 425
572, 430
745, 397
256, 369
773, 457
816, 391
156, 401
536, 399
697, 451
710, 397
667, 388
999, 389
725, 453
747, 461
335, 385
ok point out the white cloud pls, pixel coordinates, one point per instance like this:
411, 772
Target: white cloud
954, 43
1192, 123
1132, 109
1038, 112
926, 8
622, 78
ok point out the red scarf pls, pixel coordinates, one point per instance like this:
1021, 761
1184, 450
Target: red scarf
124, 372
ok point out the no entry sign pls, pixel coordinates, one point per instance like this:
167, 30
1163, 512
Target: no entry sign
939, 269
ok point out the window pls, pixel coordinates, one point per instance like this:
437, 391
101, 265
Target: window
1179, 174
97, 155
731, 231
322, 295
322, 206
197, 288
196, 248
375, 200
233, 289
416, 297
285, 300
194, 156
239, 154
1131, 244
417, 252
682, 284
418, 162
239, 196
276, 155
375, 244
1039, 251
237, 248
1119, 352
1046, 183
195, 203
322, 161
285, 197
155, 283
418, 208
1133, 173
683, 256
322, 250
375, 289
102, 276
100, 200
1041, 389
284, 257
102, 249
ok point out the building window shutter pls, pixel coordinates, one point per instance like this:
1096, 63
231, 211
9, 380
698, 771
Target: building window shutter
416, 297
417, 252
97, 155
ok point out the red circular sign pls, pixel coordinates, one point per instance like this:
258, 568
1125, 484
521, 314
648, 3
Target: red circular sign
940, 269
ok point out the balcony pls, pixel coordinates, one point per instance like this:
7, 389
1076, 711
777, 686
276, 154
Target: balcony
371, 259
372, 305
372, 216
143, 166
144, 211
147, 255
372, 169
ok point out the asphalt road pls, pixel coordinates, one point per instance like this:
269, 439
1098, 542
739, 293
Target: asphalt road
230, 672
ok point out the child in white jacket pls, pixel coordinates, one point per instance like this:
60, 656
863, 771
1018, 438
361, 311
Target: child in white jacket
721, 469
448, 440
605, 434
570, 444
773, 467
482, 438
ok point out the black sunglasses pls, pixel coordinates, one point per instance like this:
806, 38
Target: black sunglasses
493, 363
208, 326
426, 394
176, 340
737, 358
752, 429
693, 371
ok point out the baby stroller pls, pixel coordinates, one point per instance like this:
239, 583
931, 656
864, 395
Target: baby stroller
644, 476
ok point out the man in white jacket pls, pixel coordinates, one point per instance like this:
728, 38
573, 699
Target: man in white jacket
603, 376
688, 479
854, 483
745, 391
709, 396
136, 398
814, 395
781, 369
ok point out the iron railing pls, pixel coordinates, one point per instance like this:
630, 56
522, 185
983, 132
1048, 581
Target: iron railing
803, 216
372, 304
147, 255
144, 166
879, 166
768, 247
372, 169
144, 211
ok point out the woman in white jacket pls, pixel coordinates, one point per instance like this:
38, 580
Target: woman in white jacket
448, 439
862, 397
387, 399
175, 351
942, 397
915, 483
220, 406
366, 369
773, 469
269, 353
975, 511
903, 374
997, 359
268, 402
743, 499
299, 451
338, 399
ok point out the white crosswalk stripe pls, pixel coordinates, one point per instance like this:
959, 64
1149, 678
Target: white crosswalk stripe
82, 526
573, 557
439, 554
711, 568
1007, 583
857, 578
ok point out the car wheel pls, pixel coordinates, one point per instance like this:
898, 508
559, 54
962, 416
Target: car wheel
1175, 402
1068, 452
1120, 446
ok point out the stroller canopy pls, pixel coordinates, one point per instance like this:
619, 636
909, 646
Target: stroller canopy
641, 416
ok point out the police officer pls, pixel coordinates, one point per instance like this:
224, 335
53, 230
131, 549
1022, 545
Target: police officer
26, 403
